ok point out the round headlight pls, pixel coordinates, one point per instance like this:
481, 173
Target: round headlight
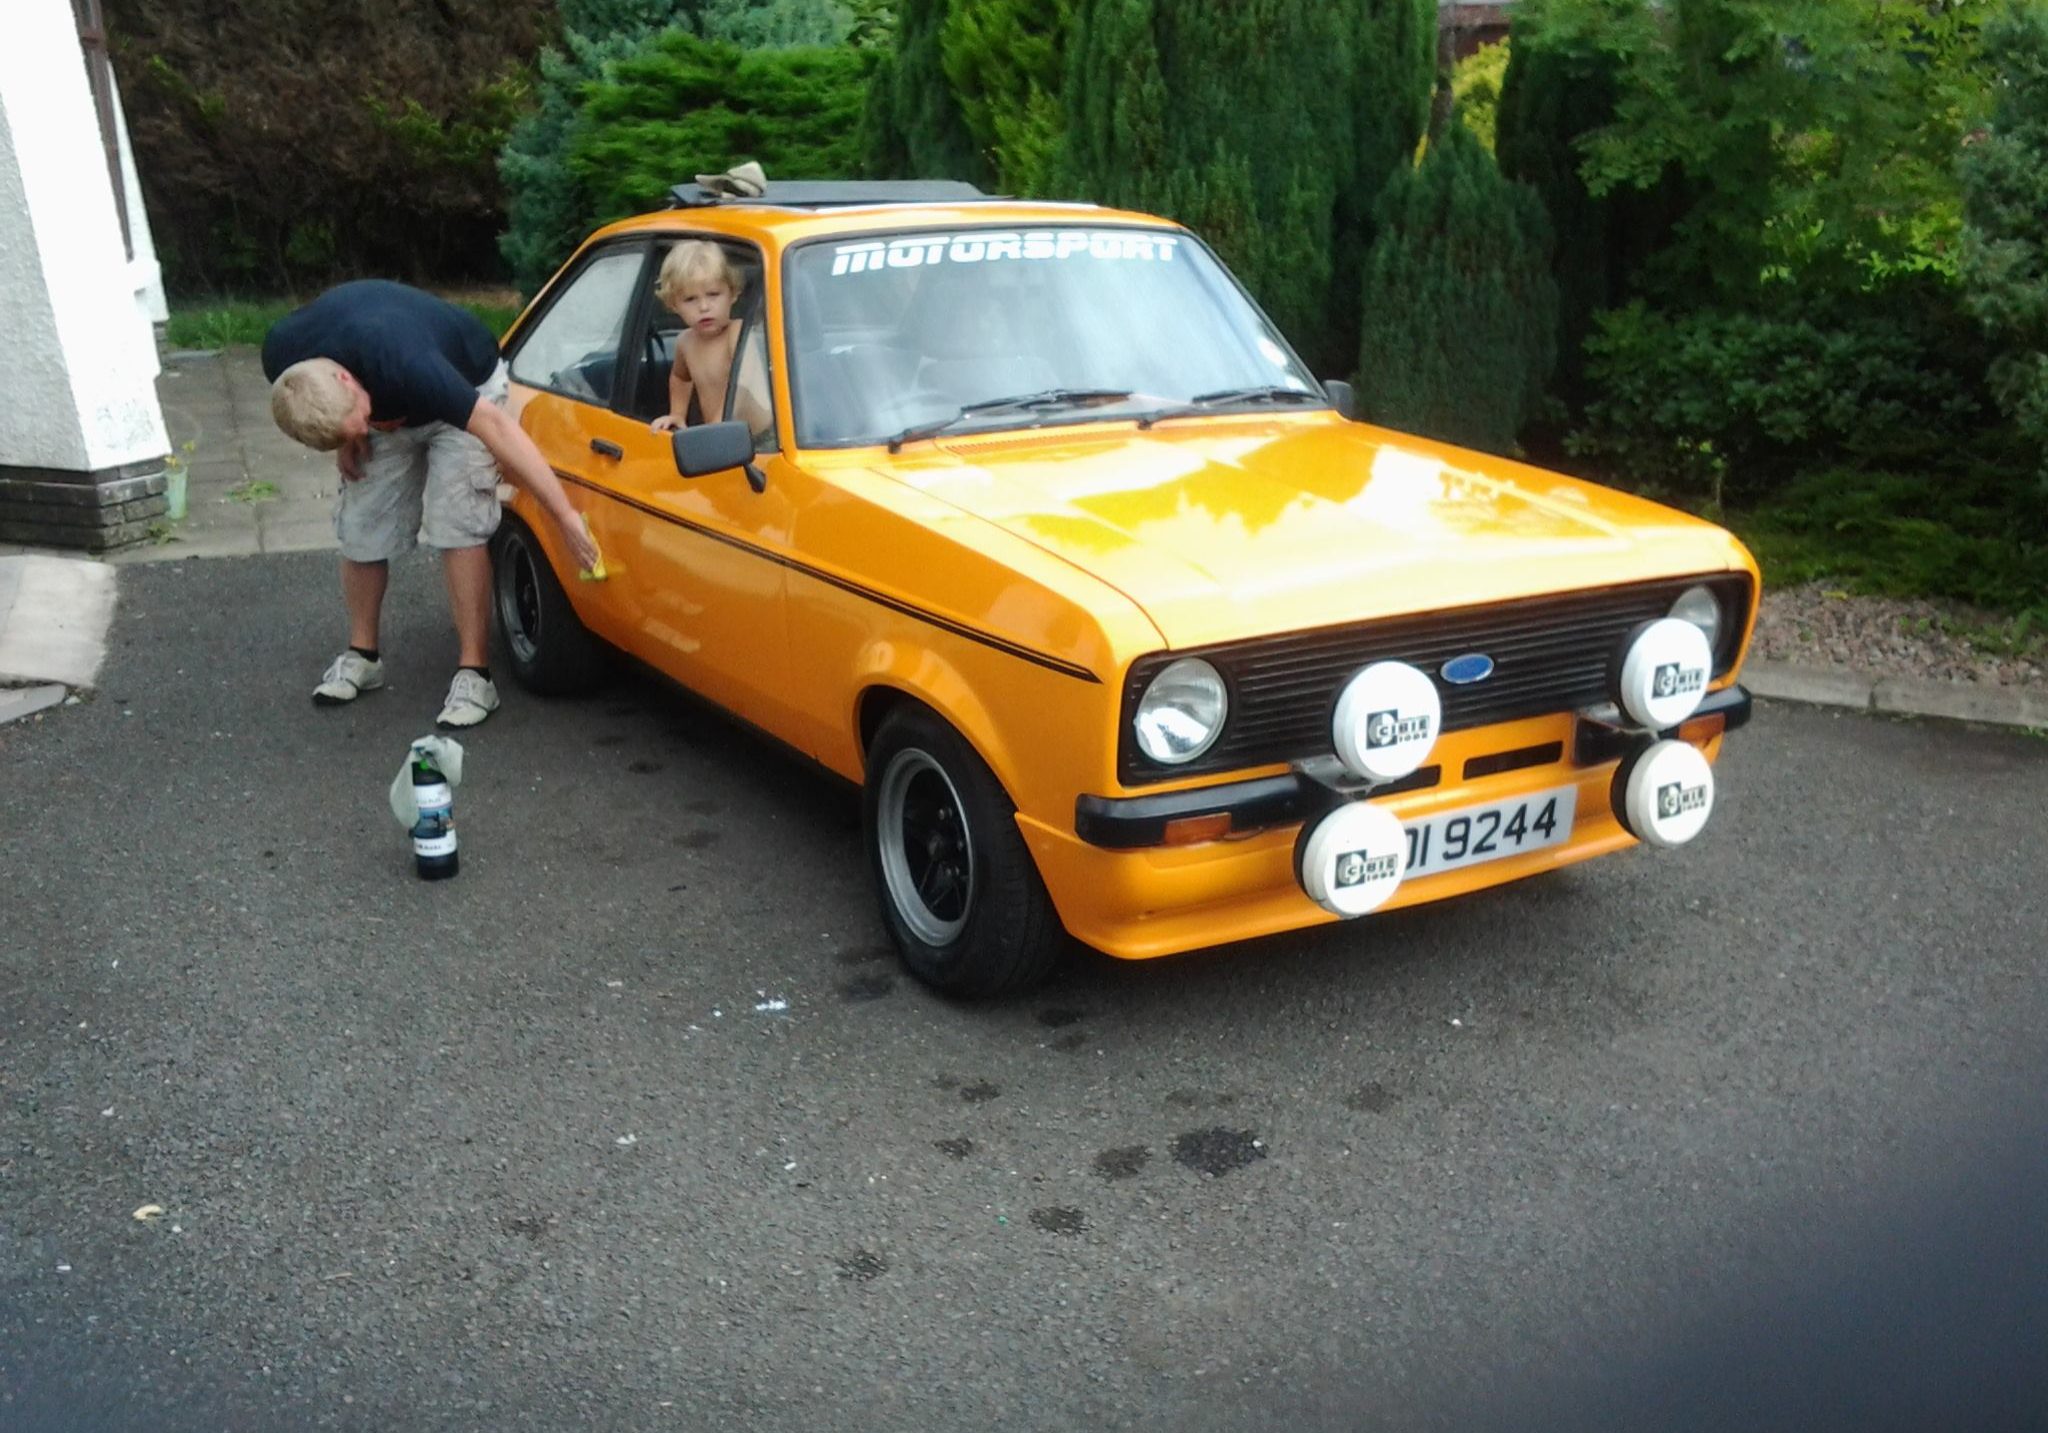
1699, 606
1181, 713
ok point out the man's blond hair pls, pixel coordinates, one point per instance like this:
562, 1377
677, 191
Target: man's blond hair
310, 403
693, 262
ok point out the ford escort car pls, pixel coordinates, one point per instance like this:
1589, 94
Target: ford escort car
1038, 530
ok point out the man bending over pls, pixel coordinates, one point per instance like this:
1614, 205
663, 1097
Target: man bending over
408, 392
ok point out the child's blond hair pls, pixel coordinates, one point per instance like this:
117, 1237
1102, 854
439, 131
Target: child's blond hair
310, 403
692, 262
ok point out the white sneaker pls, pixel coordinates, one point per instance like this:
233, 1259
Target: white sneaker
472, 696
348, 677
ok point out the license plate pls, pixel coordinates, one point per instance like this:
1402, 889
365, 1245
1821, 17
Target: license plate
1472, 834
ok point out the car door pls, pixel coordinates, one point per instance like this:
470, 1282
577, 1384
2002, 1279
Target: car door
565, 368
710, 586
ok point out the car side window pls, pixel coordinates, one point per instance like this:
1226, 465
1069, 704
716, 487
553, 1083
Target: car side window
573, 348
660, 329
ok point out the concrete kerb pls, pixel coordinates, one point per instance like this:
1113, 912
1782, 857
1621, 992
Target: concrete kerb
1897, 696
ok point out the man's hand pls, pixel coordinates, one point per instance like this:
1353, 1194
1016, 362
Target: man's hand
350, 457
666, 423
580, 543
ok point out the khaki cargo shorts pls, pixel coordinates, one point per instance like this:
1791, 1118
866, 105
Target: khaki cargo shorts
432, 484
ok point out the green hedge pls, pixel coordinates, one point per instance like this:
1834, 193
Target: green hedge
1713, 404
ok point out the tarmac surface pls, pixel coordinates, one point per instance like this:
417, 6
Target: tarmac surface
637, 1123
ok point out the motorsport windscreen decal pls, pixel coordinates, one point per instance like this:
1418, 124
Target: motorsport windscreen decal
983, 247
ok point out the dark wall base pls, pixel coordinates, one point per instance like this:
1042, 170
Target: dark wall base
94, 512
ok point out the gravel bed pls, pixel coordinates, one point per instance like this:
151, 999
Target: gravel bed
1819, 626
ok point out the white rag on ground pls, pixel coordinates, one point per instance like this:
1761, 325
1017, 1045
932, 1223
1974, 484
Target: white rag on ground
446, 754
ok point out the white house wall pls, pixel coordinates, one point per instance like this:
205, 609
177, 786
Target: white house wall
145, 274
78, 368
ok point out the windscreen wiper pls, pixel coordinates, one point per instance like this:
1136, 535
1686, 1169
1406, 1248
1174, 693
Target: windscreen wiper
1022, 402
1207, 402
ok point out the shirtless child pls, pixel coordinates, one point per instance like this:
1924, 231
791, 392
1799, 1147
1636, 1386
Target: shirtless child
698, 284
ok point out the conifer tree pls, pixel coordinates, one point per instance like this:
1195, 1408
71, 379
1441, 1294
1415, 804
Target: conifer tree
1236, 120
1393, 70
1460, 310
913, 127
773, 24
1005, 60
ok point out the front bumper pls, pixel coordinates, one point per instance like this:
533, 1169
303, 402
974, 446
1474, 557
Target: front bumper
1131, 823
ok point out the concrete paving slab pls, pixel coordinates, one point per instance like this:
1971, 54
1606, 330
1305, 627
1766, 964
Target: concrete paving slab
297, 486
54, 614
19, 702
216, 470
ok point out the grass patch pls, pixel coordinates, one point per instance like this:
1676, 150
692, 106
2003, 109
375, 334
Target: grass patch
256, 490
246, 321
496, 317
223, 324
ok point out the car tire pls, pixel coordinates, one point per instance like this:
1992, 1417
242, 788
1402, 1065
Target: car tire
551, 651
959, 891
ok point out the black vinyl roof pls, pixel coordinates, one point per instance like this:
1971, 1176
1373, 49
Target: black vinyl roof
832, 193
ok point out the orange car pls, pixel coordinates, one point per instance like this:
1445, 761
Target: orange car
1042, 534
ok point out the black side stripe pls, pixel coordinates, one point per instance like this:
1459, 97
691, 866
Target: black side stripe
880, 599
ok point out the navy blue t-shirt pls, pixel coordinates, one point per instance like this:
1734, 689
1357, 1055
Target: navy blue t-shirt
421, 359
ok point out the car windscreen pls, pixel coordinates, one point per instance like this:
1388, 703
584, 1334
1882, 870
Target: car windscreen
895, 335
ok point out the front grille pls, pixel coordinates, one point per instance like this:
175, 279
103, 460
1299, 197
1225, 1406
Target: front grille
1550, 654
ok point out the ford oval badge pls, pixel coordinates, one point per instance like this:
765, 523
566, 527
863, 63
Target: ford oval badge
1464, 671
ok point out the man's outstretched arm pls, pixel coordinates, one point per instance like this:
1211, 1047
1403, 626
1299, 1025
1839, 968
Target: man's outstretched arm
522, 464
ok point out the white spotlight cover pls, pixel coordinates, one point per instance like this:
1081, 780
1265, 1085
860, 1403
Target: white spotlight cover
1664, 676
1670, 794
1387, 720
1353, 859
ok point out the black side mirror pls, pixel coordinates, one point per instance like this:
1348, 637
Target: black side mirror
716, 448
1341, 397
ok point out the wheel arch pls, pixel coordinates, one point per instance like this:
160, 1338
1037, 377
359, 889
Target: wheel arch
969, 718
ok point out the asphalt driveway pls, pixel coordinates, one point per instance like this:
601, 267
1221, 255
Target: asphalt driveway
637, 1123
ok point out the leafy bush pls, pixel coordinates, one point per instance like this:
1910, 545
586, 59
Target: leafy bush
2005, 238
1965, 535
286, 143
1460, 309
1716, 402
547, 210
679, 106
1806, 136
